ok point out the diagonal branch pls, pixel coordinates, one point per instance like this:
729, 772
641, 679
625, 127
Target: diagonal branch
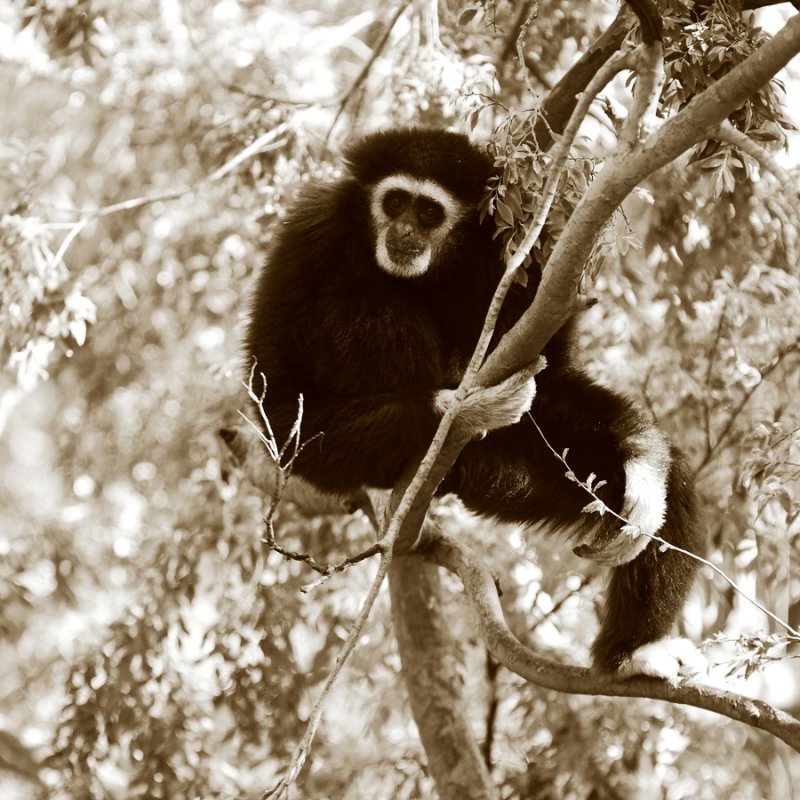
620, 176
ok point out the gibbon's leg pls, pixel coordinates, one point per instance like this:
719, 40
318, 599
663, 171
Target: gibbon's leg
645, 596
513, 475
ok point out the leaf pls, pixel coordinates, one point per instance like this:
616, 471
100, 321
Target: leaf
595, 507
504, 213
467, 15
77, 328
514, 202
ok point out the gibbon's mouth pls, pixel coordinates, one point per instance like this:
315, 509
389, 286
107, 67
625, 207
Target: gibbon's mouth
404, 253
403, 261
404, 248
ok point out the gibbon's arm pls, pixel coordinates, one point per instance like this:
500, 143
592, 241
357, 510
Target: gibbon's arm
370, 439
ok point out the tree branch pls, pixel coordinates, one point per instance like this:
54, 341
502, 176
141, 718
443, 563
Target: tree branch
558, 290
561, 99
480, 590
623, 172
365, 70
786, 207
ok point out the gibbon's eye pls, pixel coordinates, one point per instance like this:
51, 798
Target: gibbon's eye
429, 213
394, 202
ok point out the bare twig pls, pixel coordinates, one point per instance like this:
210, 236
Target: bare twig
516, 31
326, 570
367, 68
267, 141
710, 370
492, 667
283, 459
531, 12
787, 210
764, 372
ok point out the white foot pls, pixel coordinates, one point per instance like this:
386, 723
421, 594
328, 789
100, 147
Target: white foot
666, 658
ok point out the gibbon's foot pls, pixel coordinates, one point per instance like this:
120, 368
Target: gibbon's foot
611, 551
644, 507
487, 408
670, 659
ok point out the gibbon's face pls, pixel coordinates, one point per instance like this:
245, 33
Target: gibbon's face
412, 219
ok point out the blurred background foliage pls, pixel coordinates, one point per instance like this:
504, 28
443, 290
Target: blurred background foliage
151, 647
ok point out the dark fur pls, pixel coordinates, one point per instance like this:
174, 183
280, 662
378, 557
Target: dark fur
368, 351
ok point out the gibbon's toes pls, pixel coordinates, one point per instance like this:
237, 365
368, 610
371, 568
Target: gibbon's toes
607, 551
669, 659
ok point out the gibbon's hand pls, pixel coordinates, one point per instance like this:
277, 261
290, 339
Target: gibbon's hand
486, 408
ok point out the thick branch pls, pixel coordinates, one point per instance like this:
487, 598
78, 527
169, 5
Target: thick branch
480, 590
785, 206
559, 285
557, 292
430, 657
561, 99
621, 174
649, 20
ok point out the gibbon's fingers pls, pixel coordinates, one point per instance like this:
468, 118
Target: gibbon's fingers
492, 407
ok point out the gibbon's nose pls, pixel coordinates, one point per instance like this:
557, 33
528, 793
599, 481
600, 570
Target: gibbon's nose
406, 230
403, 243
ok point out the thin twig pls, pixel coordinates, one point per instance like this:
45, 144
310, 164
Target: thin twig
262, 144
725, 132
617, 63
366, 69
326, 570
765, 372
709, 370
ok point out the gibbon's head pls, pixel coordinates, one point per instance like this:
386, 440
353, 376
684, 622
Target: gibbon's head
420, 183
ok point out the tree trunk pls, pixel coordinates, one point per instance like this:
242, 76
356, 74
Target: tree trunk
430, 659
